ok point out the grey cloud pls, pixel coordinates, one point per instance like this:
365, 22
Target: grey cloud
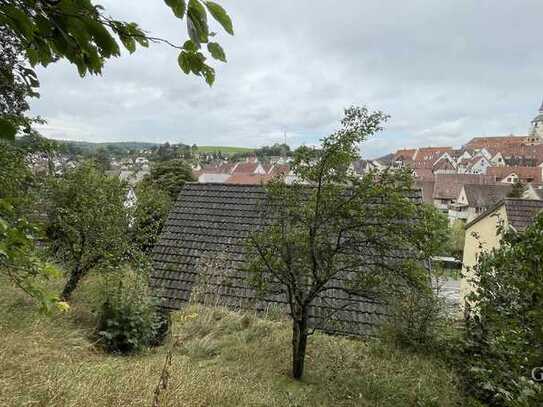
445, 71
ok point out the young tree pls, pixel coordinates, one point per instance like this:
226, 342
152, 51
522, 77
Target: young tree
82, 33
504, 330
330, 222
152, 207
88, 224
170, 176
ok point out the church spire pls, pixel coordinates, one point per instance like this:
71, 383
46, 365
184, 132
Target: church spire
541, 108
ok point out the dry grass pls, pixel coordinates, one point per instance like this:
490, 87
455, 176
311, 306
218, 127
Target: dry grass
220, 358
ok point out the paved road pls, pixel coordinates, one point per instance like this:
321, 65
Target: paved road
450, 290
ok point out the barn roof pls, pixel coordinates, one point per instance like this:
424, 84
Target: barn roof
212, 221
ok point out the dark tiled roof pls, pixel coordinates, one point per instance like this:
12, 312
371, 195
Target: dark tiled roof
521, 212
212, 221
485, 196
448, 186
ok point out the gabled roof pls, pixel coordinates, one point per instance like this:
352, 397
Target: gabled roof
520, 212
448, 186
211, 221
524, 173
245, 168
485, 196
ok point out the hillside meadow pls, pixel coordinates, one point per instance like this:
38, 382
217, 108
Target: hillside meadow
218, 358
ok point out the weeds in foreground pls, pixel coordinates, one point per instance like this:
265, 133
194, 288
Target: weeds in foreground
218, 358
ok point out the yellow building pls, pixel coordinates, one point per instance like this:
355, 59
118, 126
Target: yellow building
482, 233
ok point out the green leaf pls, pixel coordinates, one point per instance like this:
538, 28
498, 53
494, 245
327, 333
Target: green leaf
216, 51
190, 46
209, 74
178, 7
7, 130
197, 22
19, 21
220, 14
184, 62
103, 39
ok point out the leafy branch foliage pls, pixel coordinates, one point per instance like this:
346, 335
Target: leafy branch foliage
79, 31
20, 260
504, 336
332, 223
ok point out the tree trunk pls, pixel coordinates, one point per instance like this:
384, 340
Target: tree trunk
299, 342
72, 283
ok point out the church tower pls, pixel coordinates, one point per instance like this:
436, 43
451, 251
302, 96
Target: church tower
536, 132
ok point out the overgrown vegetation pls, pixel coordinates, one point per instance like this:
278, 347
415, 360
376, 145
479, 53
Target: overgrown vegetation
332, 225
219, 358
128, 318
504, 336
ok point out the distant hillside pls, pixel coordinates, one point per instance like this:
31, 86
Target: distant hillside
224, 149
89, 147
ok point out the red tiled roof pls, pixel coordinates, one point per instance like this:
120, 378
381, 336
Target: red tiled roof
486, 142
431, 153
245, 168
248, 179
424, 174
524, 173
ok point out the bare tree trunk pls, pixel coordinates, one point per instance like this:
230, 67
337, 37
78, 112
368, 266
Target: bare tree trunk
72, 283
299, 342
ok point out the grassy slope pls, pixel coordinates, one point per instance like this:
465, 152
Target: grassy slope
220, 358
224, 149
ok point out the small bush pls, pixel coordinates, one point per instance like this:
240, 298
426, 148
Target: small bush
128, 319
417, 320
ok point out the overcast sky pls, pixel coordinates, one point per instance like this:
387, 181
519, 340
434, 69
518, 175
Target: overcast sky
444, 70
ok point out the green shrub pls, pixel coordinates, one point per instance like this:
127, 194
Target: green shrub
504, 329
128, 320
417, 319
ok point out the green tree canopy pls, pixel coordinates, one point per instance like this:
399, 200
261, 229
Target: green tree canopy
87, 222
150, 212
329, 221
170, 176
